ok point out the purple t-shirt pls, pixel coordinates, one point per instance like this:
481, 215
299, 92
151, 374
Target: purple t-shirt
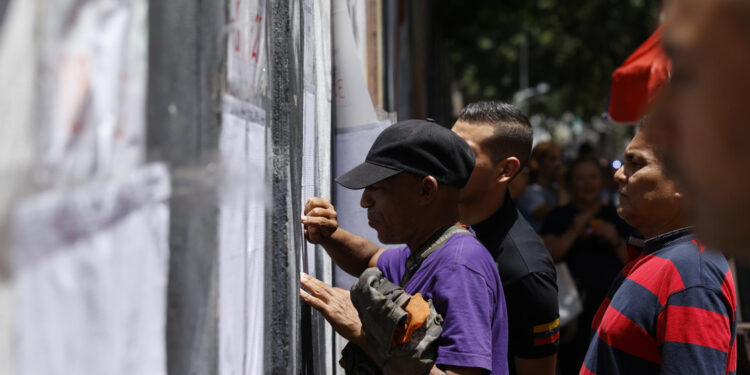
461, 279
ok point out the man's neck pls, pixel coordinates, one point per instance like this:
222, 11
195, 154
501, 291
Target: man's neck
481, 210
422, 236
666, 227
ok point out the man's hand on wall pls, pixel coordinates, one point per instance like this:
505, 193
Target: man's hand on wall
336, 306
319, 220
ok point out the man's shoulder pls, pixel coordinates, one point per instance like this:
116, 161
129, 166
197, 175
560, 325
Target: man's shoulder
465, 246
523, 253
695, 264
464, 250
395, 252
392, 262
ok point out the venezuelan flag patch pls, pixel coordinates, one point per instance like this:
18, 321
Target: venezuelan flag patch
547, 333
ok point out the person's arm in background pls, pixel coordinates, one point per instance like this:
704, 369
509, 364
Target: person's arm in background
559, 245
540, 212
614, 237
352, 253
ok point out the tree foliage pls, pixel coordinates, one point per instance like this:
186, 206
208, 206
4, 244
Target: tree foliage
573, 45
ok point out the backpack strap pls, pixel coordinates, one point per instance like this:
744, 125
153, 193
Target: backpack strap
437, 240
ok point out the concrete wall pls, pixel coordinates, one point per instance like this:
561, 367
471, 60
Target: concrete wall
186, 65
188, 79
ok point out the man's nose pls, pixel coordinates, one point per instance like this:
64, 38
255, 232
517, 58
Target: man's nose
620, 177
366, 200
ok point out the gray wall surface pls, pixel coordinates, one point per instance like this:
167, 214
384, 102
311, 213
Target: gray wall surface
187, 67
186, 70
282, 352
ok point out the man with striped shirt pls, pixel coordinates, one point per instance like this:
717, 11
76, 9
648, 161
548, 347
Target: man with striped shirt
672, 310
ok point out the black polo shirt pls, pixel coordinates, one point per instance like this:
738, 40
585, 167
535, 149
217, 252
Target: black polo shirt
529, 281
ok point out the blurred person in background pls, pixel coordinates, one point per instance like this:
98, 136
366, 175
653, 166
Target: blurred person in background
545, 192
703, 124
501, 137
590, 238
672, 308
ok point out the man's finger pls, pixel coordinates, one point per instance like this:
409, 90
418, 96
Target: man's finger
322, 212
317, 202
316, 287
319, 221
309, 299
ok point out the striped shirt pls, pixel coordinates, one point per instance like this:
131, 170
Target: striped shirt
672, 310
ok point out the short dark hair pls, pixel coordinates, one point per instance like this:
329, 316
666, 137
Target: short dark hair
512, 130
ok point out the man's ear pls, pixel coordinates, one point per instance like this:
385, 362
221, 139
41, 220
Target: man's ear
428, 190
506, 169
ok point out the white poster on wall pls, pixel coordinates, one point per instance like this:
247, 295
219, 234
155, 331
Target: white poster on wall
353, 104
232, 245
256, 247
18, 56
241, 238
90, 268
92, 89
309, 167
246, 48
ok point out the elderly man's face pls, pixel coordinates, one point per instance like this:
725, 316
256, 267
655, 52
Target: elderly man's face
392, 207
702, 114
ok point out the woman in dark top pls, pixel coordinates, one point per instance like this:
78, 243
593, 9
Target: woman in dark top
590, 238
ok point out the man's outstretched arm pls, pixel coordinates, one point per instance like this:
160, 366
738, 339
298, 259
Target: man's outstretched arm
352, 253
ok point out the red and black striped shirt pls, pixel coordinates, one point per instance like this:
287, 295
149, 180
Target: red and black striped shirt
672, 310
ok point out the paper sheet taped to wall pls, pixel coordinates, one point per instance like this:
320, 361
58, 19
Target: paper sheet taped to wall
353, 104
241, 238
91, 276
246, 62
309, 162
92, 89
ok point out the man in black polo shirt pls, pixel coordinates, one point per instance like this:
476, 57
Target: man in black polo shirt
501, 138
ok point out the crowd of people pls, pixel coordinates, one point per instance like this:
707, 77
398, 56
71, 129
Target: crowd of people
474, 288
